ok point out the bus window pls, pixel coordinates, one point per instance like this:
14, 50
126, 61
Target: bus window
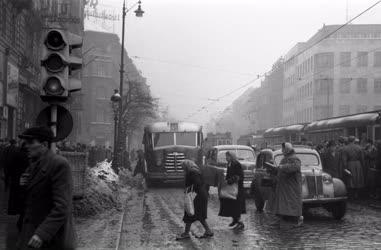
163, 139
186, 139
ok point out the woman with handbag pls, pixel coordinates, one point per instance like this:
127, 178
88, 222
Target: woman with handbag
195, 183
234, 207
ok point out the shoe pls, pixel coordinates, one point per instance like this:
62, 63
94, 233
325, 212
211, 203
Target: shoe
240, 226
233, 223
183, 236
206, 235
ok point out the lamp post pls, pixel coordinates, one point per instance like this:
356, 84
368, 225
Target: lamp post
139, 13
115, 99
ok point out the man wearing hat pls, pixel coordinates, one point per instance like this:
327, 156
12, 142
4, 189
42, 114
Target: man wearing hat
48, 221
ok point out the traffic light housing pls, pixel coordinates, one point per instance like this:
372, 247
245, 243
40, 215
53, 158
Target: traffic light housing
59, 65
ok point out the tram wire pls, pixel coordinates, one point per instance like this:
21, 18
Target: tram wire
299, 53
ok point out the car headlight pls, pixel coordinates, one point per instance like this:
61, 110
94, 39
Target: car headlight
327, 179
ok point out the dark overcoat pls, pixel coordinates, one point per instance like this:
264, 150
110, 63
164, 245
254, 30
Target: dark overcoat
48, 204
229, 207
331, 164
201, 200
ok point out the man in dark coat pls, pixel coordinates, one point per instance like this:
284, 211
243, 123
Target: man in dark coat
331, 161
48, 221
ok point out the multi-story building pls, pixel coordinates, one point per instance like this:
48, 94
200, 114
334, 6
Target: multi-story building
338, 76
100, 77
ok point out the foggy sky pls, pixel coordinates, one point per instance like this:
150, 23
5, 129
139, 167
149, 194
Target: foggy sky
193, 50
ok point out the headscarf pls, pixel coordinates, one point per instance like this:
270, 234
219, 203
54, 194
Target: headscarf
288, 148
190, 166
232, 155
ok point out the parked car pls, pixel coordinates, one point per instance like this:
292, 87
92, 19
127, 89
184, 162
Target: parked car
319, 188
245, 155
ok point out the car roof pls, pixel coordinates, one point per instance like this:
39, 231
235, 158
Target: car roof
300, 150
227, 147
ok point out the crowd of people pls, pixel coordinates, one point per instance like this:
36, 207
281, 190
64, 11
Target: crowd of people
357, 163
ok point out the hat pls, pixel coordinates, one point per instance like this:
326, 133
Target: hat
40, 133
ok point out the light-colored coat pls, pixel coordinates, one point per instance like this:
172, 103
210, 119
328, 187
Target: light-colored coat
288, 191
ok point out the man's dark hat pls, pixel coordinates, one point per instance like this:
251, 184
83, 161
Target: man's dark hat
40, 133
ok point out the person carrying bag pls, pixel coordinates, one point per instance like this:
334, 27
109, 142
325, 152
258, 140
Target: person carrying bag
230, 207
196, 200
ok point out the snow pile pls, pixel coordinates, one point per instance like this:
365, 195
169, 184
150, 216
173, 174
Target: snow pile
104, 171
101, 193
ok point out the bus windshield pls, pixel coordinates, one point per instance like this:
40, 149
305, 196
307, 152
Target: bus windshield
168, 139
163, 139
186, 139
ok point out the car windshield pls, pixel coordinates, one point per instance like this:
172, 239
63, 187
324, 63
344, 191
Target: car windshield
186, 139
163, 139
307, 160
242, 155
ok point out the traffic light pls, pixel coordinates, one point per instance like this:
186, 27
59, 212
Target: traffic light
59, 65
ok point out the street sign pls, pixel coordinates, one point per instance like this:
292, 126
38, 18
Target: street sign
64, 121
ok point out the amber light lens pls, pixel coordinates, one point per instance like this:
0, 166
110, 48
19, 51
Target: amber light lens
53, 86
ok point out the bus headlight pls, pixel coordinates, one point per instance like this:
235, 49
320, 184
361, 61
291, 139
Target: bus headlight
159, 159
327, 179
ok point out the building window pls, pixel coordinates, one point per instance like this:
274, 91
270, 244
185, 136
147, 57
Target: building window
345, 59
344, 110
377, 85
377, 59
324, 60
361, 108
362, 59
362, 85
345, 85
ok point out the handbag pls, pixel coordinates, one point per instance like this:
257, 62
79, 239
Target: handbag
229, 191
189, 197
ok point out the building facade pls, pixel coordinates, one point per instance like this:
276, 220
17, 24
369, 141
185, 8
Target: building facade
338, 76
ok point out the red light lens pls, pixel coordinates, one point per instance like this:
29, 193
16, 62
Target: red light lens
53, 86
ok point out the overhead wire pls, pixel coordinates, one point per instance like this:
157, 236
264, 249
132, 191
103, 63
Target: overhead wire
315, 43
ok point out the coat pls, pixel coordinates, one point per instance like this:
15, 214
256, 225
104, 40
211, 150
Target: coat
229, 207
48, 204
201, 200
353, 158
288, 191
331, 164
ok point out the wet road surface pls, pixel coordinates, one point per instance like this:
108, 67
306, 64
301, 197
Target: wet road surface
154, 218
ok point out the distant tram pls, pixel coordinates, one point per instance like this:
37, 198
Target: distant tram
363, 126
166, 145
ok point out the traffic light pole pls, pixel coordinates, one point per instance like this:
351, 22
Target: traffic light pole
53, 116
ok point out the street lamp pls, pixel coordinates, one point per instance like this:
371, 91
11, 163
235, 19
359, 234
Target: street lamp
115, 99
139, 13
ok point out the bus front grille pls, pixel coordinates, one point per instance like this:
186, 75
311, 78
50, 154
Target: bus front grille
173, 162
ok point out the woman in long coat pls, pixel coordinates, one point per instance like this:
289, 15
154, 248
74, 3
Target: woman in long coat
229, 207
288, 192
193, 178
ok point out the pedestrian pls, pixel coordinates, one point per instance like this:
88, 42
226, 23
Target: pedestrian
331, 161
48, 221
141, 164
230, 207
353, 158
288, 191
370, 154
193, 178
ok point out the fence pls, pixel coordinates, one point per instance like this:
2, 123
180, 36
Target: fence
78, 162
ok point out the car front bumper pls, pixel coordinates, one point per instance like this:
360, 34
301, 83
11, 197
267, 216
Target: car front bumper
165, 177
324, 200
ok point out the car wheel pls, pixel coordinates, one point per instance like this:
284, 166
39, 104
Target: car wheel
338, 209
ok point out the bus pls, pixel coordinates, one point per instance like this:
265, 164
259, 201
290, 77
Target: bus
166, 145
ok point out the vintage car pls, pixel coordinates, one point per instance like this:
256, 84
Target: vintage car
318, 187
245, 155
